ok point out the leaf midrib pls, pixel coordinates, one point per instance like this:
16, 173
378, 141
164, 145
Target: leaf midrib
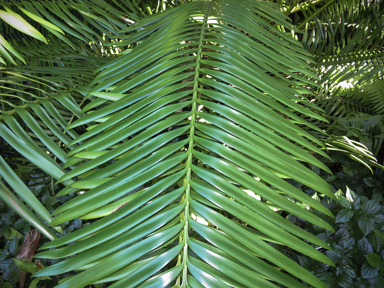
191, 143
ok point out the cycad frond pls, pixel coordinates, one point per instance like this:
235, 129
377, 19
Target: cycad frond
371, 95
346, 39
36, 107
356, 112
357, 69
343, 27
194, 120
66, 24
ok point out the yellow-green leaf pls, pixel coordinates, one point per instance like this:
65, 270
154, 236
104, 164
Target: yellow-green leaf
17, 22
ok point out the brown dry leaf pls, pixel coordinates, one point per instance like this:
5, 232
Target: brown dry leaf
27, 251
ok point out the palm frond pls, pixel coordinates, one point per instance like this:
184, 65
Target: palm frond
195, 120
356, 112
66, 24
345, 37
343, 27
36, 107
355, 69
20, 208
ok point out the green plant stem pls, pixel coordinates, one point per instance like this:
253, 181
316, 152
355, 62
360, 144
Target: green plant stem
190, 146
25, 106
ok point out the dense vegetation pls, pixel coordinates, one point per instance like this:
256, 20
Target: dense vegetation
192, 143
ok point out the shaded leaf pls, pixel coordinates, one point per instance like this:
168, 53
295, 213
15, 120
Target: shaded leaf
366, 224
27, 266
344, 216
373, 259
368, 272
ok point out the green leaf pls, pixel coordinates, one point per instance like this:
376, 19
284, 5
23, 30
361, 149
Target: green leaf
12, 273
5, 229
366, 224
6, 55
14, 246
368, 272
342, 235
9, 47
377, 197
344, 202
37, 280
40, 20
365, 246
22, 190
373, 259
344, 281
24, 212
344, 216
349, 271
20, 24
34, 283
377, 239
371, 207
27, 266
370, 181
11, 233
371, 122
